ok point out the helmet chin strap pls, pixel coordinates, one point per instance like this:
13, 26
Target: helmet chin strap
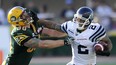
82, 27
30, 21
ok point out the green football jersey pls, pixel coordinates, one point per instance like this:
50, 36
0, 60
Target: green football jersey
20, 54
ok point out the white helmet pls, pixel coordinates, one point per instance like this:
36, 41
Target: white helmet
83, 17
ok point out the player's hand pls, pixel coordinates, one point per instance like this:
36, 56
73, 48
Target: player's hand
101, 48
32, 14
103, 53
68, 40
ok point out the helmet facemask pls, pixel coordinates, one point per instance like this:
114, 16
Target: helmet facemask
26, 17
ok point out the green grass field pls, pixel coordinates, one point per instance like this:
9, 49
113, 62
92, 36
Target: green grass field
65, 60
65, 64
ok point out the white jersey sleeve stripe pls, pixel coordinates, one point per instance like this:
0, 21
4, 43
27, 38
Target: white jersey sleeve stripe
99, 31
97, 34
101, 35
64, 27
94, 33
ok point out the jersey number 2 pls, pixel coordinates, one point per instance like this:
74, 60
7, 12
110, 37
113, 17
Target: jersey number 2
82, 49
92, 27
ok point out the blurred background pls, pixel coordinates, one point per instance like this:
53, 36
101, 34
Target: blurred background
61, 11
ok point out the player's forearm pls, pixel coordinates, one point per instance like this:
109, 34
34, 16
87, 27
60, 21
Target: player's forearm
36, 43
108, 41
32, 43
53, 38
50, 24
51, 44
109, 45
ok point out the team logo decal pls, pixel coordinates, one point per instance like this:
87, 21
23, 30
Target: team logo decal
20, 38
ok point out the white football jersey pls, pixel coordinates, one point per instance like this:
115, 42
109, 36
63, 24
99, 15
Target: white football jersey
82, 47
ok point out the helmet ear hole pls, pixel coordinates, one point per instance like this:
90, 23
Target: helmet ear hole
13, 18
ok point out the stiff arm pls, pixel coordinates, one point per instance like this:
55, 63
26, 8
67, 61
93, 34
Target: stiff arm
50, 24
37, 43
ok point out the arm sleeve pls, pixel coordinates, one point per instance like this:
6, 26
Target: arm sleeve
64, 27
20, 39
99, 33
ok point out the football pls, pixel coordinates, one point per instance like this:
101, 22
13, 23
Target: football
100, 46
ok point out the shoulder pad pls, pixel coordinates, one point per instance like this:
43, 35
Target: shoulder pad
99, 32
66, 25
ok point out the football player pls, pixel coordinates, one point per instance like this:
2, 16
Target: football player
25, 36
85, 34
